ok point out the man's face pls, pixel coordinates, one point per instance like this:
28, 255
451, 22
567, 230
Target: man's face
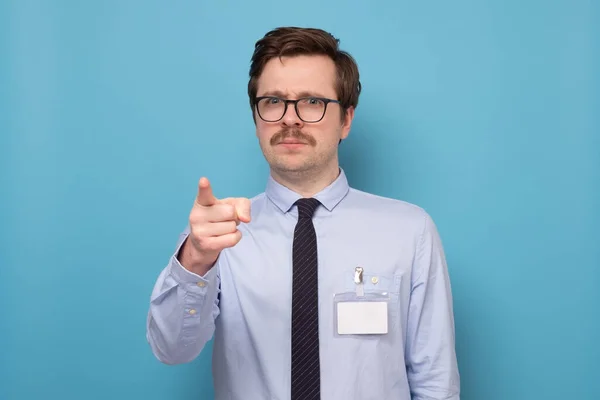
291, 145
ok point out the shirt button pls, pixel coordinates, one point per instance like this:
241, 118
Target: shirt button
192, 311
201, 284
374, 280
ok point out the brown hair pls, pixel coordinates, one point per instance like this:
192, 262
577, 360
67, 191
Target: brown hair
294, 41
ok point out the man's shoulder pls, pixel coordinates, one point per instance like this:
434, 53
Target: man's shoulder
381, 203
387, 210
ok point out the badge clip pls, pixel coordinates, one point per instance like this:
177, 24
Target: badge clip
358, 280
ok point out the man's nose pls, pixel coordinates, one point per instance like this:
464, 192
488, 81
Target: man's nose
290, 117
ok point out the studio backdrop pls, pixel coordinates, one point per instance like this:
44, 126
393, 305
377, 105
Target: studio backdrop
484, 113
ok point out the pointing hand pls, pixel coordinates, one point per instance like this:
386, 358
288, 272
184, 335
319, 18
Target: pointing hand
213, 227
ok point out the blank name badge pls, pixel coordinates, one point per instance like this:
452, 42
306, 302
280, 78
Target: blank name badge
362, 317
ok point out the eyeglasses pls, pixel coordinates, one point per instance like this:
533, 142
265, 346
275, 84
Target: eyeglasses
308, 109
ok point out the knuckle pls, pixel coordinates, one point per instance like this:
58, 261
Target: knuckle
234, 238
228, 211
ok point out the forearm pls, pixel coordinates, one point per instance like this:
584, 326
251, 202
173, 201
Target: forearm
182, 313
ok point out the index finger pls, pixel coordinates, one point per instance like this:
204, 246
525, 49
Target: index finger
205, 195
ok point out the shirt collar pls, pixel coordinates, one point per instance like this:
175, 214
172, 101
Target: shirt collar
284, 198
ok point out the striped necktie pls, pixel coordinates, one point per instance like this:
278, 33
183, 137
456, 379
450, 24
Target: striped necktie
306, 372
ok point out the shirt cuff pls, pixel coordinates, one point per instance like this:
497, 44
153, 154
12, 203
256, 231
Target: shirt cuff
190, 280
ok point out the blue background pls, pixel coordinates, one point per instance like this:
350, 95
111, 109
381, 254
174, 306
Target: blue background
485, 113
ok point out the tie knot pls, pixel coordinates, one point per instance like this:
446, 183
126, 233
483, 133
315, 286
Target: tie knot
307, 207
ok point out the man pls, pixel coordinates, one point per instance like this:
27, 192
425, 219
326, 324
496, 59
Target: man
312, 289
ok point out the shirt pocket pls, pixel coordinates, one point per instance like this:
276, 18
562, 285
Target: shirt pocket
383, 284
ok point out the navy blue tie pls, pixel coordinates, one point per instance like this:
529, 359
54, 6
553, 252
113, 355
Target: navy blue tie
306, 371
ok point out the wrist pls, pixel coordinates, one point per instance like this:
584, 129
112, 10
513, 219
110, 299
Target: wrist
193, 260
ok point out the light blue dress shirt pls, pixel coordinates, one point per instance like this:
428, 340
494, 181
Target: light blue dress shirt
244, 302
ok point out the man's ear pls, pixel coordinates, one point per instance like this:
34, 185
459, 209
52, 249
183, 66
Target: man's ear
347, 122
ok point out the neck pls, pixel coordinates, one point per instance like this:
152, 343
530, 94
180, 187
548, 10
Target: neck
306, 183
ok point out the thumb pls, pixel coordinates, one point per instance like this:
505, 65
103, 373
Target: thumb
242, 208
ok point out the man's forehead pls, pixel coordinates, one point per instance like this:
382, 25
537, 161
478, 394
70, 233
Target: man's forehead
299, 76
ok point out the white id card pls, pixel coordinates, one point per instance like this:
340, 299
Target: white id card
362, 317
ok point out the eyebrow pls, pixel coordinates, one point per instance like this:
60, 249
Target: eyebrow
278, 93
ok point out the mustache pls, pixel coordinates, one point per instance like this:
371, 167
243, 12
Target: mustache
288, 133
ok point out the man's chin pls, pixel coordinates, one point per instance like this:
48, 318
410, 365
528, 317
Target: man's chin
289, 166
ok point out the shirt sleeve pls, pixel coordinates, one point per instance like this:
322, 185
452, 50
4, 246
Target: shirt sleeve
183, 309
430, 348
